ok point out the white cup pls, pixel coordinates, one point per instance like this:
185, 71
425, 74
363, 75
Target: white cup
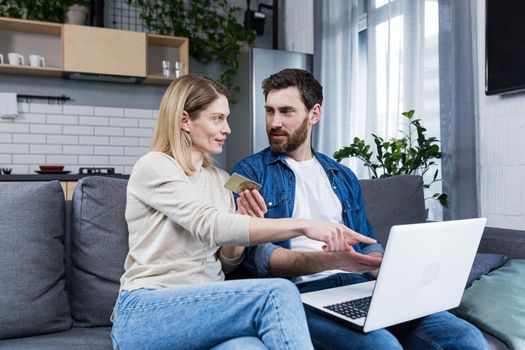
1, 59
15, 58
36, 61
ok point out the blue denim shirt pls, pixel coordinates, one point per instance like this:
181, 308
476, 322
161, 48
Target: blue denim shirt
278, 190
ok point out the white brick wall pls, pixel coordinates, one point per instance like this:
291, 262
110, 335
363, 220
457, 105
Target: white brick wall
501, 159
75, 136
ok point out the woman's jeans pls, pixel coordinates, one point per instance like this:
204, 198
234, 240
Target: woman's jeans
239, 314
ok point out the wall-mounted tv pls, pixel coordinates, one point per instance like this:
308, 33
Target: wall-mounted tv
504, 46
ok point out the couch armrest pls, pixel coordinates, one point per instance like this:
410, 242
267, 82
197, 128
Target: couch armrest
503, 241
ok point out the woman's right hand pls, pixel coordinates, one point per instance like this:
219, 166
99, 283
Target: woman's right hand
335, 236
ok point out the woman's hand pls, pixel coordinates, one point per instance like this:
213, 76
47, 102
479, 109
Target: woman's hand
335, 236
251, 203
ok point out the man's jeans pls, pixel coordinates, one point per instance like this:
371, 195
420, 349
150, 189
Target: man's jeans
240, 314
437, 331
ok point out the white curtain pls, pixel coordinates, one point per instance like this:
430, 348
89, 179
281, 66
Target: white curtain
335, 65
402, 73
394, 55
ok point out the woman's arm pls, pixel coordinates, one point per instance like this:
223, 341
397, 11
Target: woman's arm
336, 236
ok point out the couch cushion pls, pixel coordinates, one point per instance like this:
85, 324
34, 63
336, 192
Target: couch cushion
392, 201
496, 303
33, 299
483, 264
503, 241
99, 245
96, 338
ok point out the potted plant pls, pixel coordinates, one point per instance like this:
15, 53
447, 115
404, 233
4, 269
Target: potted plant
77, 12
412, 154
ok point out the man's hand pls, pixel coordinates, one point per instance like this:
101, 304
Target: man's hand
377, 255
287, 263
251, 203
352, 261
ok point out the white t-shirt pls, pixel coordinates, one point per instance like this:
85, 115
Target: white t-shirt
314, 199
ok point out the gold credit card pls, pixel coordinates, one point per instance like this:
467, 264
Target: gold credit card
237, 183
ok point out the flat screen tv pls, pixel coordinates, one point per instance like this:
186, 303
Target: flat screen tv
505, 46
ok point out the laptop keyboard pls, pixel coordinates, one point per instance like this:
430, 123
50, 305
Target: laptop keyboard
353, 309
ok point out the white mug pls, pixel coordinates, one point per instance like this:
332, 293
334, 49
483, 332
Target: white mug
1, 59
15, 58
36, 61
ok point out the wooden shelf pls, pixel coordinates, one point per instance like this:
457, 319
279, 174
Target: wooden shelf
165, 40
21, 25
40, 71
163, 47
104, 51
83, 49
30, 38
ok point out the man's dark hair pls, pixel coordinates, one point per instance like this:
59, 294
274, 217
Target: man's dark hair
309, 88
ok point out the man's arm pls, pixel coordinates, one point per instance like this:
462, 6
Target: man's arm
287, 263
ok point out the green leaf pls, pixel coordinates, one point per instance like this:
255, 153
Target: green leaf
409, 114
403, 155
443, 200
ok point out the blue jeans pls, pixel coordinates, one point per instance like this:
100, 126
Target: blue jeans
241, 314
441, 330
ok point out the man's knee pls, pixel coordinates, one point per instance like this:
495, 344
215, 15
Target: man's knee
472, 337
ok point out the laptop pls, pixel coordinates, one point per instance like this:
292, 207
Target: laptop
424, 270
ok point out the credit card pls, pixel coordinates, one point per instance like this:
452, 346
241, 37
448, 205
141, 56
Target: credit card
237, 183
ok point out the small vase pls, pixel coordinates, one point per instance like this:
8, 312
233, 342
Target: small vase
77, 14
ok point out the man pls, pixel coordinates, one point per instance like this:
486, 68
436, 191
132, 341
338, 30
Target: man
297, 181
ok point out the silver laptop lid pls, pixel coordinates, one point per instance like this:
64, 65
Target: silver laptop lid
424, 270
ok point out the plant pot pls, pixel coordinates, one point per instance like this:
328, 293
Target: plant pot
77, 14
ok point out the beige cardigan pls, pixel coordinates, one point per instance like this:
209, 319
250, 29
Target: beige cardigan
177, 224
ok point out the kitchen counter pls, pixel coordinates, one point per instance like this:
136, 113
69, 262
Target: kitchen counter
51, 177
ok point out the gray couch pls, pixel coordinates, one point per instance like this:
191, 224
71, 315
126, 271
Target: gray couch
61, 261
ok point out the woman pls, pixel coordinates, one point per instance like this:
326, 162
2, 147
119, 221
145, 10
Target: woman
173, 294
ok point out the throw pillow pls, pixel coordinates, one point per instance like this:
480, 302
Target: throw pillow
496, 303
33, 299
483, 264
99, 245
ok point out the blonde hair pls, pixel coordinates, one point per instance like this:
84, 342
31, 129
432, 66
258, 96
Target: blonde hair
192, 94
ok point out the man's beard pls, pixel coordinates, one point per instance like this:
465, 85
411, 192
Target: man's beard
292, 142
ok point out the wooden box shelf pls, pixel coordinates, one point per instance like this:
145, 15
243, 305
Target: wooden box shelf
31, 38
170, 48
104, 51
